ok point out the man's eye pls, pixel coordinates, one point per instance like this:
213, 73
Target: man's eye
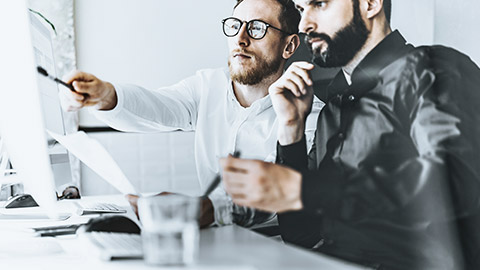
319, 3
300, 9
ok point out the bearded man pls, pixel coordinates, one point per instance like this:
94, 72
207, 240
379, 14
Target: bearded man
393, 178
229, 110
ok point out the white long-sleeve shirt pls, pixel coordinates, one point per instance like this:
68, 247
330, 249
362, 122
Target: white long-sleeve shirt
205, 103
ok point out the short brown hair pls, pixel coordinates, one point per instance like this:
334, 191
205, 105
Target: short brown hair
289, 16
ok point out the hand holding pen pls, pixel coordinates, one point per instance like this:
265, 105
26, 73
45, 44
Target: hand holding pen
262, 185
84, 90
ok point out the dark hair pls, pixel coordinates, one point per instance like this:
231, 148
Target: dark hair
289, 16
387, 8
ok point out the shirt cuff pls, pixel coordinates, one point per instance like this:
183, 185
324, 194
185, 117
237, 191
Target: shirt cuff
293, 155
222, 207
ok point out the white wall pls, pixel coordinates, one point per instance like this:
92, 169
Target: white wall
149, 42
415, 19
152, 162
152, 43
457, 24
452, 23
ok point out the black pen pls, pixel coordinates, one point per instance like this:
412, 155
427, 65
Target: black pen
58, 227
57, 230
55, 79
216, 181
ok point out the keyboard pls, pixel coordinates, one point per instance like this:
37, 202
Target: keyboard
109, 246
98, 208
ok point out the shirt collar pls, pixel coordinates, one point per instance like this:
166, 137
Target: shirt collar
366, 73
262, 104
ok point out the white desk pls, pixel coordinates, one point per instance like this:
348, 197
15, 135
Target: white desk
229, 247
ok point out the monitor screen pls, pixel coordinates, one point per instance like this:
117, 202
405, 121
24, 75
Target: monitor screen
50, 103
43, 52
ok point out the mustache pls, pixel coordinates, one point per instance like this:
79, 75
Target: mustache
242, 51
312, 35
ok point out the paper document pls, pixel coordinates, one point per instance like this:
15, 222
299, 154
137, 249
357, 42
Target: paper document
95, 156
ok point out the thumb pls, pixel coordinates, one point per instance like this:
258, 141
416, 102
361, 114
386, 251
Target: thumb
132, 199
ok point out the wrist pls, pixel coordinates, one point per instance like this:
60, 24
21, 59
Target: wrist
290, 133
206, 213
110, 100
295, 189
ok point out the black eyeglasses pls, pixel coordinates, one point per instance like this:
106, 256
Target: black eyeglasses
256, 29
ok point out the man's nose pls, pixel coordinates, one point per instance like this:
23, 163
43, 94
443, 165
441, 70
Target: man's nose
307, 23
243, 39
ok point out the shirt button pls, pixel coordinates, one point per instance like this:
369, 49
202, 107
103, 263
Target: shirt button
351, 97
319, 244
341, 135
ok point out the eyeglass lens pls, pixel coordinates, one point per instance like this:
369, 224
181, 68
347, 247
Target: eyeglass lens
255, 29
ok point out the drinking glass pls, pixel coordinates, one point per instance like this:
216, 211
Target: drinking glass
170, 230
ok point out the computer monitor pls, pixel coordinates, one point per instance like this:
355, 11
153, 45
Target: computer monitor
22, 125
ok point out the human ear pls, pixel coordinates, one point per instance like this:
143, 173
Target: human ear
374, 7
291, 46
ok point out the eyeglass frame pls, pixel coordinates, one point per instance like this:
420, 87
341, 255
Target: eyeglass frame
248, 32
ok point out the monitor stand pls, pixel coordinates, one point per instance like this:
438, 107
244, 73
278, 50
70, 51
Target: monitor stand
21, 201
24, 207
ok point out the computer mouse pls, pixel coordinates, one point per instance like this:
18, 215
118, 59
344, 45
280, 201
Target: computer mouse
110, 223
21, 200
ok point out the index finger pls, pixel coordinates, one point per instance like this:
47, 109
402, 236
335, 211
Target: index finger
303, 64
302, 73
77, 75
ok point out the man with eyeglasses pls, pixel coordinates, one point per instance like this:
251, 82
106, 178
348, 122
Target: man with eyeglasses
229, 110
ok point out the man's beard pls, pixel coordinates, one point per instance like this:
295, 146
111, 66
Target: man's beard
344, 45
256, 74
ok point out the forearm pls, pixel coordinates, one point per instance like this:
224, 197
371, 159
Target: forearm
142, 110
110, 100
290, 133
